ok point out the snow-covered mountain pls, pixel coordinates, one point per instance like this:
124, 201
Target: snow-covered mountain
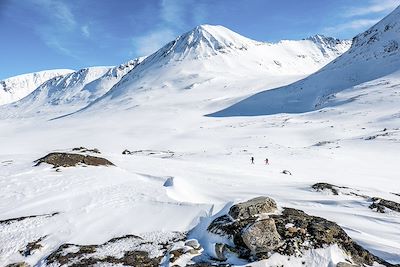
70, 92
207, 54
374, 53
218, 58
17, 87
178, 172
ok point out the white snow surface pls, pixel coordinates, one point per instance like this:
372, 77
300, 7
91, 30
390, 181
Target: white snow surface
14, 88
161, 104
64, 94
373, 54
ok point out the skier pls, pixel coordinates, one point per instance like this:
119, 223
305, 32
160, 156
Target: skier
266, 161
252, 160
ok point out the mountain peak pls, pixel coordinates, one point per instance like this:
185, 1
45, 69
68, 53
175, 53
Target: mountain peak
205, 41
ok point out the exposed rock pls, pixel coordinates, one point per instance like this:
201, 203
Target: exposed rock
153, 153
290, 233
60, 159
12, 220
253, 207
129, 250
86, 150
261, 236
126, 152
346, 264
31, 247
220, 251
286, 172
18, 264
326, 186
380, 204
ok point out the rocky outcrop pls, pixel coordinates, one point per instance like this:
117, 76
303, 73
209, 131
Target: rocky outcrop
13, 220
327, 187
60, 159
336, 190
380, 205
258, 235
83, 149
152, 153
18, 264
261, 236
129, 250
253, 207
31, 247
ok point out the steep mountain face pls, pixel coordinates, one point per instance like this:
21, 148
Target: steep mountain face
70, 92
205, 41
374, 53
329, 46
17, 87
219, 62
214, 57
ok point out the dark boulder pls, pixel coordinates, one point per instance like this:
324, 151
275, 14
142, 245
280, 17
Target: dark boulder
380, 205
290, 233
61, 159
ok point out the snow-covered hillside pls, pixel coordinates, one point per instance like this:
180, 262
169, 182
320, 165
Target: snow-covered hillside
15, 88
64, 94
176, 170
373, 54
213, 62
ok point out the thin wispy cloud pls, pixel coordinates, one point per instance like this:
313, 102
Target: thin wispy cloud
373, 7
354, 25
152, 41
58, 22
173, 19
356, 19
85, 31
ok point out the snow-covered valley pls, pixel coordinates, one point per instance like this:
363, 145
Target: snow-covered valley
192, 116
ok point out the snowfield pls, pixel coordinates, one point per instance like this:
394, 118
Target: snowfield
186, 167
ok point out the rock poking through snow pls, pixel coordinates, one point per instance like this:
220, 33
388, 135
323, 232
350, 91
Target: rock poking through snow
261, 236
129, 250
60, 159
380, 205
253, 207
257, 233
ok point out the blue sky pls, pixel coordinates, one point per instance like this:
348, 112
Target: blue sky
46, 34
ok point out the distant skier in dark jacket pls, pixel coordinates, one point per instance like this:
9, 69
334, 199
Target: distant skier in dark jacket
252, 160
266, 161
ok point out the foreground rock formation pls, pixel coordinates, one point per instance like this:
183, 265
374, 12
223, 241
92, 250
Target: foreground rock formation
260, 232
249, 232
61, 159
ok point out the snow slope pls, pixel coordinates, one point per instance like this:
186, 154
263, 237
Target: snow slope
373, 54
192, 166
218, 58
17, 87
70, 92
